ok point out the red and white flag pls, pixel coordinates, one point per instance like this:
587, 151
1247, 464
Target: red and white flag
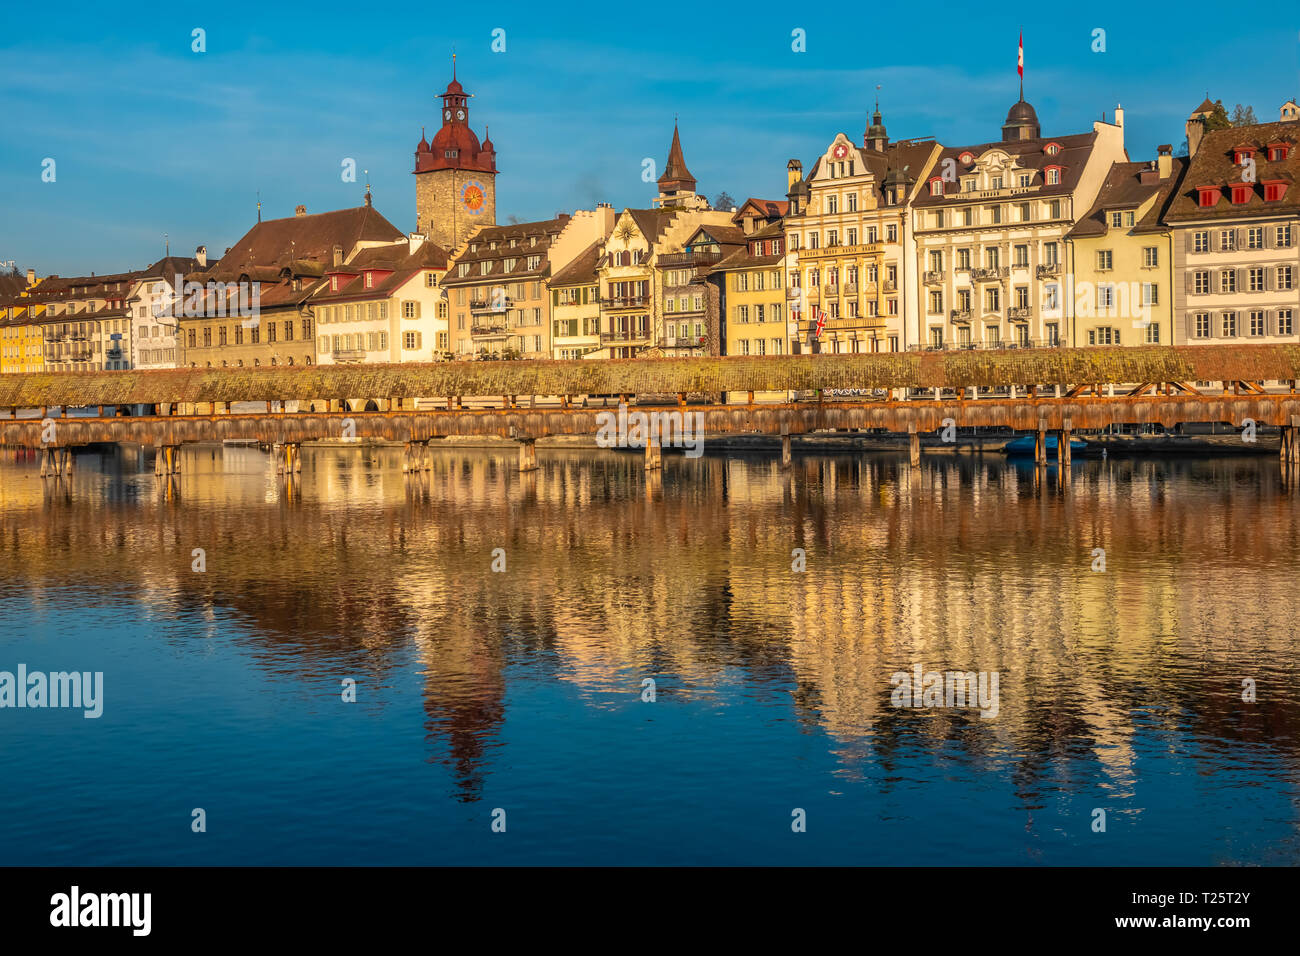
1020, 58
821, 322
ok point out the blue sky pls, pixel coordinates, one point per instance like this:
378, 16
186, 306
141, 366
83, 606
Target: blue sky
152, 138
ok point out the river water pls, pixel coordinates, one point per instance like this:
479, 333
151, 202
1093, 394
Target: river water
692, 667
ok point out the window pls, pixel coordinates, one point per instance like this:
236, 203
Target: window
1207, 196
1228, 280
1255, 279
1255, 237
270, 332
1021, 256
1053, 176
1284, 278
1282, 238
1105, 260
1054, 209
411, 340
1201, 241
1229, 324
1284, 322
936, 303
221, 336
1150, 257
991, 299
1274, 191
963, 260
1202, 325
891, 233
1257, 323
1023, 181
1150, 293
936, 187
1201, 282
851, 202
1105, 298
832, 205
1240, 193
1227, 240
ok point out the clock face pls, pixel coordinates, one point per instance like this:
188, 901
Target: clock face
460, 114
472, 197
446, 114
841, 151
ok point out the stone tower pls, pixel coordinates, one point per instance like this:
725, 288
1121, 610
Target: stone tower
455, 175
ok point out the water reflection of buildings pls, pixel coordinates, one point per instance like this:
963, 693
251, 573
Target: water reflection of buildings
964, 564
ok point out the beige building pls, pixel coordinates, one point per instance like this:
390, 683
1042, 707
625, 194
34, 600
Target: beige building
991, 221
384, 304
497, 297
1236, 231
850, 245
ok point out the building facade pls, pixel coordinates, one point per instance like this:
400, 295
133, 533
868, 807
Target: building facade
384, 304
991, 221
1120, 258
849, 238
1235, 222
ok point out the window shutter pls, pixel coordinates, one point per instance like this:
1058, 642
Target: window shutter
1189, 240
1269, 273
1189, 281
1270, 322
1268, 237
1240, 234
1243, 276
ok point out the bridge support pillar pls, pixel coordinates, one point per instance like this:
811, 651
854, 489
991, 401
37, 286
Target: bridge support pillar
785, 446
426, 455
288, 459
528, 454
55, 462
654, 460
167, 461
913, 445
1040, 443
1063, 449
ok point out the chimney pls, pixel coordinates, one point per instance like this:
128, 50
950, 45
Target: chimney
793, 173
1119, 115
1165, 162
414, 241
201, 256
338, 252
1195, 132
300, 210
31, 278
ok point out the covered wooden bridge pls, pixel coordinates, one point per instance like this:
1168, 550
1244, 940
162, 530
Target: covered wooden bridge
1036, 390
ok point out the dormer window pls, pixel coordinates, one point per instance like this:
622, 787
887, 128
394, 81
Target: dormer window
968, 185
936, 187
1274, 190
1242, 155
1051, 149
1207, 196
473, 247
370, 280
1241, 193
1052, 175
1278, 152
966, 158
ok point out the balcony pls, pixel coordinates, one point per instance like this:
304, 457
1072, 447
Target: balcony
342, 356
831, 289
674, 259
990, 274
626, 302
681, 342
850, 288
491, 305
890, 285
489, 329
1049, 269
960, 315
1021, 313
933, 277
622, 335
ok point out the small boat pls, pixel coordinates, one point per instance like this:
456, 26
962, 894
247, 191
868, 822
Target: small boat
1024, 445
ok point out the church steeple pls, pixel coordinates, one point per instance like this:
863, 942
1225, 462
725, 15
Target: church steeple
875, 138
677, 185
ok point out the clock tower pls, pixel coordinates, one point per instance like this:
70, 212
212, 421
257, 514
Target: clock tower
455, 175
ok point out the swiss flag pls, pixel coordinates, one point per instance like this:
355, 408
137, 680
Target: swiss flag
1020, 59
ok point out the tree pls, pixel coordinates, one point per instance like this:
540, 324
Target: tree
1218, 119
1243, 116
724, 202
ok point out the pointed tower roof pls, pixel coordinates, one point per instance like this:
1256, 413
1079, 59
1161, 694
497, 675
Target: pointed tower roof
676, 176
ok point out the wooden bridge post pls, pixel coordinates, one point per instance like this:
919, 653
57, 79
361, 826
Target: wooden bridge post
1040, 443
1067, 432
913, 445
47, 462
785, 445
527, 454
653, 453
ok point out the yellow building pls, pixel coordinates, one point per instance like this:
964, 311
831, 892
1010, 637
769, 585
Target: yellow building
850, 241
756, 319
575, 306
21, 342
1119, 258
